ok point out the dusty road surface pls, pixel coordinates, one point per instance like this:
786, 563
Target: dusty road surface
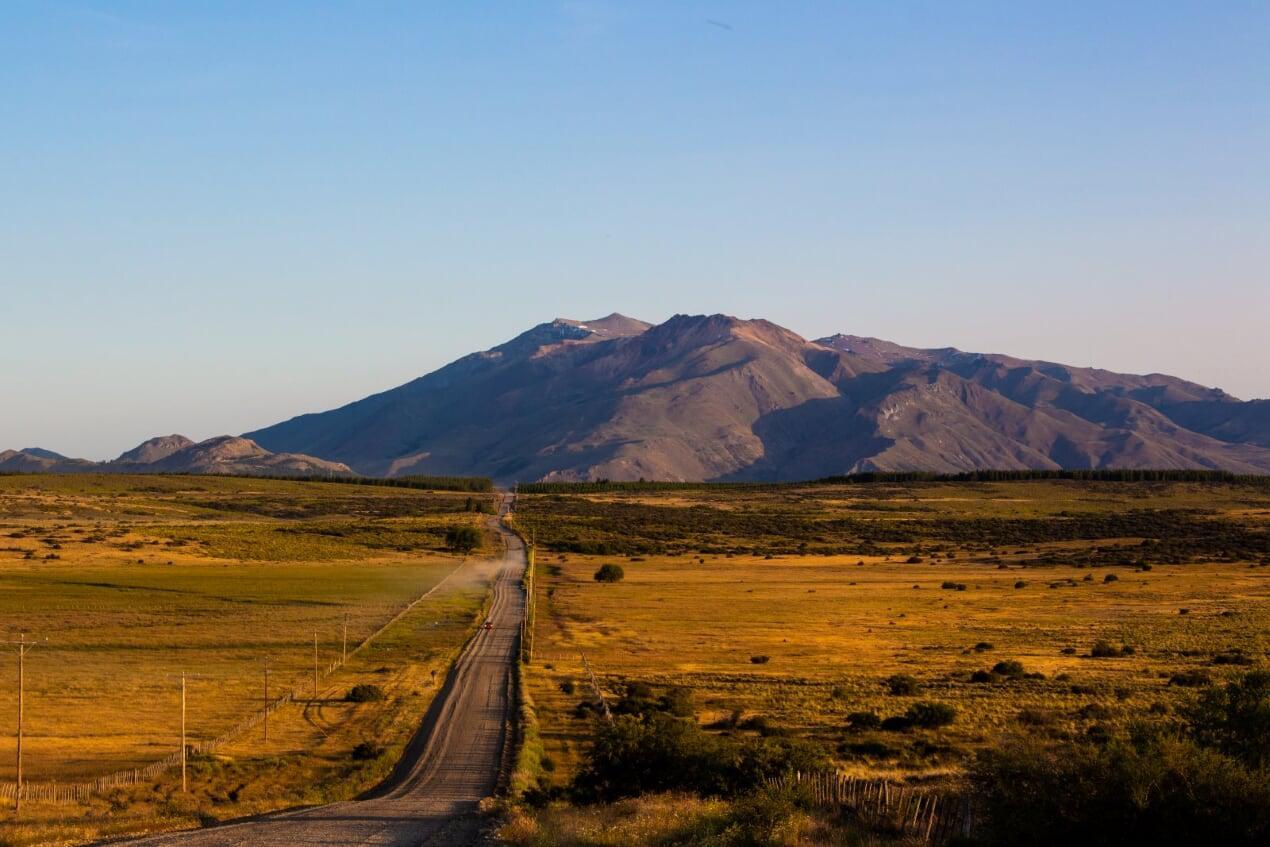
449, 766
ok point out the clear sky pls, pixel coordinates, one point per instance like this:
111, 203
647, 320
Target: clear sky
214, 216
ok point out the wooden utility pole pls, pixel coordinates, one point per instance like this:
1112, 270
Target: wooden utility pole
266, 701
315, 666
183, 676
24, 646
344, 648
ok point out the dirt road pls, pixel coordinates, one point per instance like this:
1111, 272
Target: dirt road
449, 766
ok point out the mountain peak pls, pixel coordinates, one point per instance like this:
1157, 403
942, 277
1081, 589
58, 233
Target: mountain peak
155, 449
41, 453
610, 326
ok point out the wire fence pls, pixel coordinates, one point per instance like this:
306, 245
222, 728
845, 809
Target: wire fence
932, 816
73, 792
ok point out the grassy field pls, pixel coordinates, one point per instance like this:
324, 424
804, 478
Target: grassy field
785, 610
135, 579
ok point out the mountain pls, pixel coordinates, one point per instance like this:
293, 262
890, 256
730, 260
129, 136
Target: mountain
41, 453
155, 449
225, 454
718, 398
229, 454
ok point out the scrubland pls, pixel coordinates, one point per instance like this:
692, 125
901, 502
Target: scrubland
1049, 612
134, 580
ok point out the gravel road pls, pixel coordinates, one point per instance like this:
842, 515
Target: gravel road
451, 764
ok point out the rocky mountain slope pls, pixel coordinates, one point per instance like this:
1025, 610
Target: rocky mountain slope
714, 397
225, 454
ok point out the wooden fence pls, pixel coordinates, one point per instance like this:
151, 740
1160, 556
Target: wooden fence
934, 817
74, 792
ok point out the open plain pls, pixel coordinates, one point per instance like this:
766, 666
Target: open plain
1034, 609
126, 582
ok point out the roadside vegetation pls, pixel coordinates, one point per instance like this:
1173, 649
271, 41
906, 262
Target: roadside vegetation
134, 580
992, 640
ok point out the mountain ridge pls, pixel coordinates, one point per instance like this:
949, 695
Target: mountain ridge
224, 454
717, 397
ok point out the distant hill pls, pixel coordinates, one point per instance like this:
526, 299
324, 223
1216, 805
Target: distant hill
711, 397
41, 453
154, 450
225, 454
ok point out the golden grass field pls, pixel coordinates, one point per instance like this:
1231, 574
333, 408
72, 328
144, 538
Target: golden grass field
835, 627
783, 609
135, 579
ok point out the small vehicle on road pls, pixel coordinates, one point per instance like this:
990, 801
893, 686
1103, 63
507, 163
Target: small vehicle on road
489, 624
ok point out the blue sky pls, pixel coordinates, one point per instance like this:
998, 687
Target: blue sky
214, 216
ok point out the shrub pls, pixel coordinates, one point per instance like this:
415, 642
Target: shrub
678, 701
1009, 667
1106, 650
657, 752
1156, 790
984, 676
930, 714
876, 749
610, 573
1020, 584
1190, 679
364, 693
1111, 578
901, 685
860, 721
1235, 718
462, 539
897, 723
365, 751
637, 699
766, 816
760, 660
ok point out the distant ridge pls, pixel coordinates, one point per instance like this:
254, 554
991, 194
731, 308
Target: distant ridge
224, 454
713, 397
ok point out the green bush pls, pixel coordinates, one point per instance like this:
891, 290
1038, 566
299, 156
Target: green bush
901, 684
766, 816
1190, 679
1009, 667
1157, 790
365, 751
864, 720
638, 754
1235, 718
364, 693
462, 538
930, 715
1106, 650
610, 573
